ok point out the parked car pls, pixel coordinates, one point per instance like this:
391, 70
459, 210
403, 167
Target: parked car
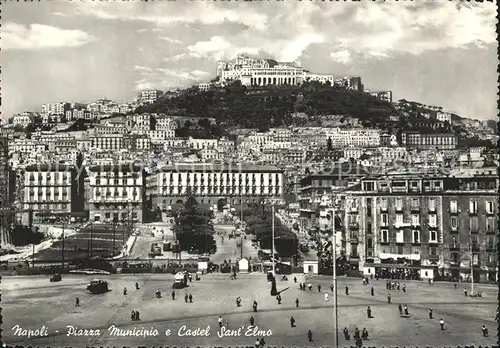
55, 278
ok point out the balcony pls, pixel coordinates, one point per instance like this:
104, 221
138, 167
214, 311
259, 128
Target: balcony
399, 208
415, 257
491, 247
399, 189
415, 209
454, 246
402, 225
354, 256
433, 257
353, 225
455, 263
473, 212
384, 208
354, 238
475, 246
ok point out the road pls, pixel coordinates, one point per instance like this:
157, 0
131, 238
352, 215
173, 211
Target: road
228, 250
31, 302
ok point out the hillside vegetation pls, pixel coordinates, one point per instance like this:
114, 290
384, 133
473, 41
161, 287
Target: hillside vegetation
271, 106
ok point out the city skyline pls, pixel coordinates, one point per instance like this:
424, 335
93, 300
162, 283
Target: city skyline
88, 51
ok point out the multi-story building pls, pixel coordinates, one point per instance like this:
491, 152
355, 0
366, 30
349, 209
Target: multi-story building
204, 86
429, 140
322, 78
444, 116
116, 193
143, 122
355, 137
49, 188
106, 129
164, 123
22, 119
383, 95
108, 142
148, 96
423, 225
7, 189
212, 182
59, 108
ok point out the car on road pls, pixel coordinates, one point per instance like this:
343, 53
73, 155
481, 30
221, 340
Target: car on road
55, 278
98, 286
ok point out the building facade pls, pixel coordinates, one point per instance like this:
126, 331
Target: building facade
116, 193
423, 226
429, 140
233, 183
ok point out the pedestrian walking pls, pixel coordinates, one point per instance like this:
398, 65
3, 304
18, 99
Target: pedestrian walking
398, 286
356, 333
137, 316
255, 306
173, 295
326, 297
297, 302
441, 323
190, 278
295, 279
292, 321
257, 343
359, 342
406, 310
389, 298
331, 288
369, 312
310, 336
372, 291
190, 298
220, 321
310, 286
485, 331
77, 302
252, 320
430, 313
319, 288
132, 315
429, 281
404, 287
346, 290
278, 298
400, 309
364, 334
465, 292
346, 334
262, 342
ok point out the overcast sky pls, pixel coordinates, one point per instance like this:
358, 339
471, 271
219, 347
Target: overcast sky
441, 54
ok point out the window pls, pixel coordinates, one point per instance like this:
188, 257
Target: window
432, 204
383, 204
490, 242
432, 251
433, 220
454, 257
385, 236
368, 228
454, 243
369, 243
392, 236
399, 219
415, 203
475, 258
453, 207
384, 219
433, 236
489, 207
490, 224
473, 207
491, 259
453, 222
399, 203
416, 237
415, 219
474, 223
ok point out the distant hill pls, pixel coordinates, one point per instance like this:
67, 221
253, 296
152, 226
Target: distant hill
271, 106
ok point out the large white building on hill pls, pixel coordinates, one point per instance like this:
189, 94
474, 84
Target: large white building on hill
263, 72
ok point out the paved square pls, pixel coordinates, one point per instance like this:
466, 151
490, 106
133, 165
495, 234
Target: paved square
33, 302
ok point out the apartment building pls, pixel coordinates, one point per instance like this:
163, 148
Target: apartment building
423, 225
50, 188
165, 123
108, 142
116, 193
143, 122
22, 119
148, 96
211, 182
429, 140
59, 108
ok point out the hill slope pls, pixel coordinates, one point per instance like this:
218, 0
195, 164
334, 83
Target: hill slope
271, 106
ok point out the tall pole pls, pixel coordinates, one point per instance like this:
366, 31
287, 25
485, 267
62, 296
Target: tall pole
471, 266
33, 256
334, 255
91, 235
241, 225
114, 231
272, 230
63, 246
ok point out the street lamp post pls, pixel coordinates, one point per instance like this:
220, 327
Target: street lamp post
334, 256
62, 256
272, 231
